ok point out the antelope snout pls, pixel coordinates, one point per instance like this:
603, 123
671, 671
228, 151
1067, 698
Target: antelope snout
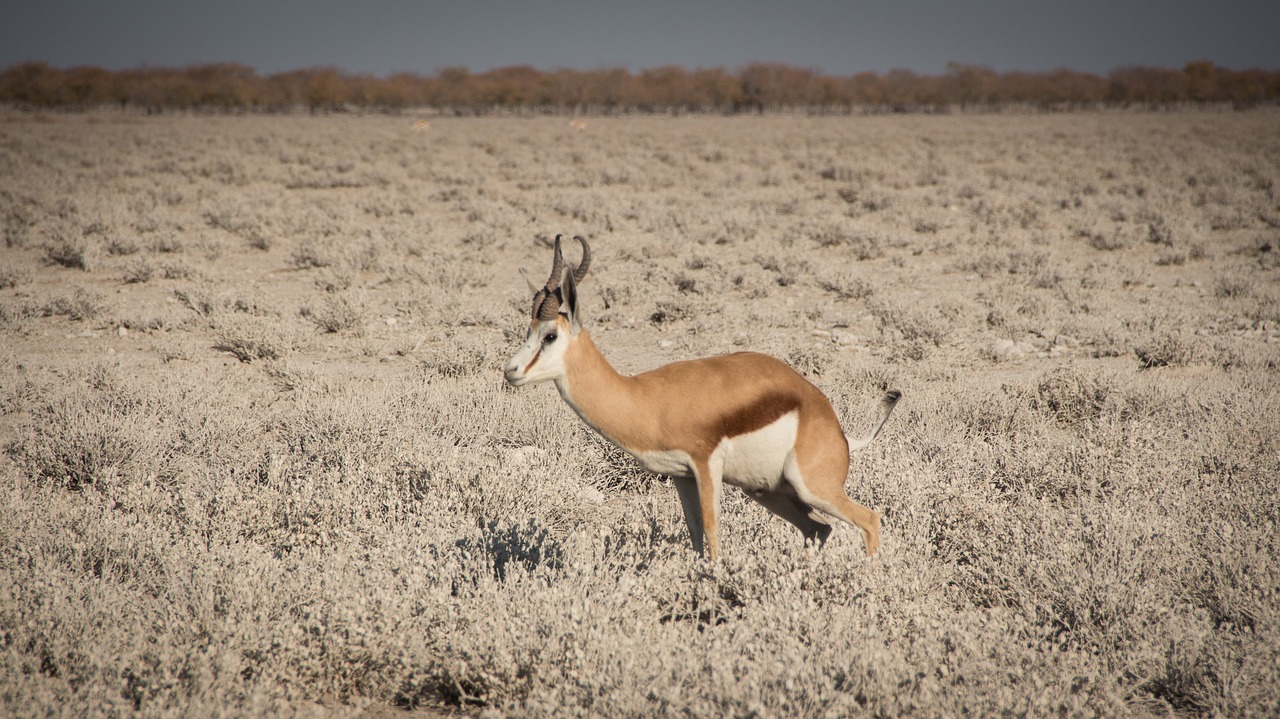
511, 373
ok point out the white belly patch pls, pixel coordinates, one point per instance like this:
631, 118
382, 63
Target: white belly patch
754, 461
671, 463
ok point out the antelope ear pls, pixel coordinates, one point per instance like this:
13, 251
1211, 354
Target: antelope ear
569, 293
532, 289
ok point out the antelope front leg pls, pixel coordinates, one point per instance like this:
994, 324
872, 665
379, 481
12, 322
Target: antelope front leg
708, 475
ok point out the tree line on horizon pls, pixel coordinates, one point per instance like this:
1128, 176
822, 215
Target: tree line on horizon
757, 87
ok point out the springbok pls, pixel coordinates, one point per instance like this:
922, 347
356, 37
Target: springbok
745, 418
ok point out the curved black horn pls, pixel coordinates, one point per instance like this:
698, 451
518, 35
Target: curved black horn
585, 264
557, 267
546, 302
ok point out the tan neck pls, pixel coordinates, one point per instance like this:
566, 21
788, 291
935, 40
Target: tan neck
601, 396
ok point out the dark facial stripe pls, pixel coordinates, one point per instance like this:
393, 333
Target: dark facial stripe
533, 361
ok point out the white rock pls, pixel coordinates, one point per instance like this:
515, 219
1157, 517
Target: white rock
1005, 349
843, 338
526, 454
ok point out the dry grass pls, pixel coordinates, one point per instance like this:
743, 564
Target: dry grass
258, 458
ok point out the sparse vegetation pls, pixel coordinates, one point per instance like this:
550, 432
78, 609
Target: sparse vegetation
213, 503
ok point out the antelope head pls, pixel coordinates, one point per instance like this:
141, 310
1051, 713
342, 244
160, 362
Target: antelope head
553, 324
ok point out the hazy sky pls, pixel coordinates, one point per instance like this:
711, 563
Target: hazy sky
386, 36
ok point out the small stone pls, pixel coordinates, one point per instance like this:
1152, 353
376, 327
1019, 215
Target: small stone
664, 344
843, 338
1005, 349
123, 331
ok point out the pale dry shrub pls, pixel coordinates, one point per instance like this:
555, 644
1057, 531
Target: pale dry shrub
249, 339
14, 276
1069, 395
139, 270
178, 270
464, 356
334, 280
1109, 241
17, 228
167, 243
986, 265
912, 323
336, 314
311, 253
74, 253
845, 285
201, 299
81, 304
1232, 286
1168, 347
122, 246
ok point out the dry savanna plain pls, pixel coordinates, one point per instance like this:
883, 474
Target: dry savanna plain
258, 457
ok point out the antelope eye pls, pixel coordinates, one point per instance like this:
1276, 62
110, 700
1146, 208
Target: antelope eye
551, 337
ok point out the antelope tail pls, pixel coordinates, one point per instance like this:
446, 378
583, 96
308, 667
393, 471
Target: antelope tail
886, 408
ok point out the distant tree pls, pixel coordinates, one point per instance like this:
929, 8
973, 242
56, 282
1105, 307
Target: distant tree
970, 85
177, 90
513, 86
453, 88
904, 89
767, 85
1074, 88
715, 89
566, 89
399, 91
156, 90
1147, 85
1200, 79
90, 86
324, 89
33, 83
664, 88
609, 89
1248, 87
223, 85
286, 89
864, 88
